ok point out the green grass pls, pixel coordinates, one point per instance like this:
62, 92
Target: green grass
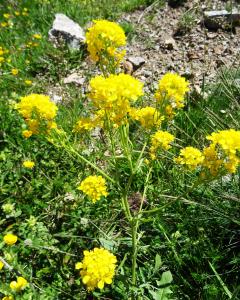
196, 238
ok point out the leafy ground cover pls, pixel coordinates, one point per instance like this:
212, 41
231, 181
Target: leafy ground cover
188, 247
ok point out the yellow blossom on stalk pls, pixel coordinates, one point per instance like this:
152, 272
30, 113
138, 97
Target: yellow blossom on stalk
228, 140
14, 72
97, 268
171, 91
7, 16
211, 161
28, 164
10, 239
190, 157
4, 24
27, 133
28, 82
147, 116
8, 298
1, 265
114, 94
160, 141
104, 40
19, 285
17, 13
223, 153
94, 187
39, 104
85, 124
37, 36
2, 59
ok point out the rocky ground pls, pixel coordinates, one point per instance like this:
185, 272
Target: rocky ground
177, 40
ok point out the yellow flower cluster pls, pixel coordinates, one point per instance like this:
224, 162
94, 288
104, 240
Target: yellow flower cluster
38, 111
10, 239
1, 265
85, 124
19, 285
104, 40
160, 141
97, 268
148, 116
8, 298
170, 93
223, 152
113, 95
28, 164
190, 157
94, 187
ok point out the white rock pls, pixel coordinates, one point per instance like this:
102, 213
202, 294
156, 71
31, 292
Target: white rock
67, 29
136, 61
74, 78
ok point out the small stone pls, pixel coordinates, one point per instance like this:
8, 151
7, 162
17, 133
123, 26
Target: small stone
218, 50
74, 78
128, 67
70, 31
170, 43
136, 61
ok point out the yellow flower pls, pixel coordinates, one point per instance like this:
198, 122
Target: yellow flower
7, 16
2, 59
19, 285
113, 95
85, 124
228, 140
147, 116
191, 157
160, 140
1, 265
94, 187
28, 164
17, 13
37, 103
104, 39
27, 133
171, 91
37, 36
14, 72
211, 161
97, 268
8, 298
28, 82
10, 239
4, 24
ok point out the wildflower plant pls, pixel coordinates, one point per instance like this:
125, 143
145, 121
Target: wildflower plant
117, 105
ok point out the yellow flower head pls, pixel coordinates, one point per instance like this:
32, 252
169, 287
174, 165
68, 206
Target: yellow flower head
37, 36
104, 39
160, 141
7, 16
18, 285
85, 124
190, 157
10, 239
97, 268
148, 116
8, 298
228, 140
94, 187
1, 265
15, 72
28, 164
27, 133
28, 82
38, 104
171, 91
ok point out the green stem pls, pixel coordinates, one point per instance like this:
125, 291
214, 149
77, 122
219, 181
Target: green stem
70, 149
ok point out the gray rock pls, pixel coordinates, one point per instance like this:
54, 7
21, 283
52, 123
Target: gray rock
74, 78
217, 19
65, 28
136, 61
